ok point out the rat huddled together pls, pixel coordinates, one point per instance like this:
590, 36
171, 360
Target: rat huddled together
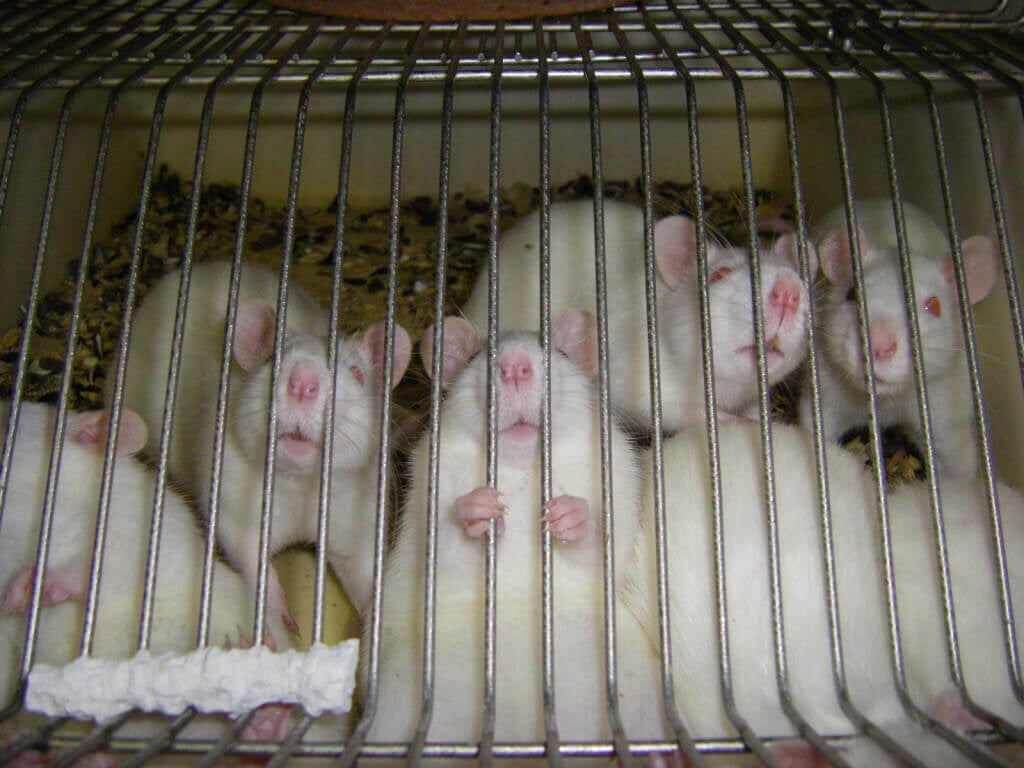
601, 502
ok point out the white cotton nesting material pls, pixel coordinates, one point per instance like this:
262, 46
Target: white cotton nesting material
212, 680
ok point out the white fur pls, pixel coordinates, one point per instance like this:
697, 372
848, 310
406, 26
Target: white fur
178, 580
573, 286
841, 368
578, 573
859, 575
297, 477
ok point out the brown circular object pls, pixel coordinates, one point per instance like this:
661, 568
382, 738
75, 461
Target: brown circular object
444, 10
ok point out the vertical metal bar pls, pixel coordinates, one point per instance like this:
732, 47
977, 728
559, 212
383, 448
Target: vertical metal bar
20, 368
896, 648
746, 733
491, 564
338, 257
288, 241
220, 415
789, 112
415, 752
84, 261
145, 627
839, 669
981, 423
348, 125
203, 45
618, 735
551, 739
354, 745
671, 708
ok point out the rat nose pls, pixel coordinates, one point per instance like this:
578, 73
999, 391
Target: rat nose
303, 382
516, 368
784, 297
883, 342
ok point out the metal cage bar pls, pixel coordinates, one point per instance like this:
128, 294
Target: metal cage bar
203, 45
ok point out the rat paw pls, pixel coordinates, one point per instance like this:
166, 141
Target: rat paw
18, 593
58, 587
267, 724
797, 753
948, 708
567, 517
477, 508
674, 759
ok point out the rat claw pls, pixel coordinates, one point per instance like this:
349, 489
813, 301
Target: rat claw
290, 624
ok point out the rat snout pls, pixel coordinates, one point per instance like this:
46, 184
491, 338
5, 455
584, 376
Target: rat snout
516, 369
884, 343
303, 383
784, 299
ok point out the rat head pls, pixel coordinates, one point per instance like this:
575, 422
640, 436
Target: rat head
520, 386
784, 299
84, 448
302, 389
937, 307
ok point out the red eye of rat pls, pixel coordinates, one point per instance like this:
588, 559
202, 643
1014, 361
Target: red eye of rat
356, 372
933, 306
719, 273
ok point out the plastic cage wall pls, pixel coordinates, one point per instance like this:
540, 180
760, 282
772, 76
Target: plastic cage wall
376, 166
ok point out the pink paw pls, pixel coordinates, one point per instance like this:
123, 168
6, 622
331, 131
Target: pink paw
671, 760
567, 517
267, 724
58, 587
477, 508
18, 592
948, 708
97, 760
797, 753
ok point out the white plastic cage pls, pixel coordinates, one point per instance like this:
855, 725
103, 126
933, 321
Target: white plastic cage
107, 104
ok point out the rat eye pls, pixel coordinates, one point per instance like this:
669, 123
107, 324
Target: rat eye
851, 295
933, 306
357, 373
719, 273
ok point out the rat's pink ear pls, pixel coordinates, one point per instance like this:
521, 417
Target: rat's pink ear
785, 249
981, 266
459, 344
90, 429
255, 324
575, 333
372, 349
836, 255
675, 250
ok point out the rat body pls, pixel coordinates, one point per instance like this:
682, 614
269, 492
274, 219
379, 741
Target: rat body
466, 507
784, 302
177, 596
844, 395
301, 396
861, 597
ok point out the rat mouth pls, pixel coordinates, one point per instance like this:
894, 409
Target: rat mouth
297, 444
521, 430
773, 353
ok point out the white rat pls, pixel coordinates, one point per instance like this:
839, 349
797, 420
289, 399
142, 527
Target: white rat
301, 399
861, 599
843, 393
122, 579
465, 508
572, 281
